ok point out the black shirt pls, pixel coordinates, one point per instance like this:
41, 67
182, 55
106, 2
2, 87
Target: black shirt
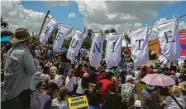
112, 101
95, 99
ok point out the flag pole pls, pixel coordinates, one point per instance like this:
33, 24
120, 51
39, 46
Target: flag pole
44, 22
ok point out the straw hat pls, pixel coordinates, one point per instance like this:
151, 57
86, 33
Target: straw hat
48, 64
175, 90
183, 85
129, 77
21, 34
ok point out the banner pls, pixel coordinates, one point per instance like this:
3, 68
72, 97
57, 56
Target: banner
169, 39
96, 49
182, 37
77, 102
75, 44
47, 32
60, 37
139, 46
113, 49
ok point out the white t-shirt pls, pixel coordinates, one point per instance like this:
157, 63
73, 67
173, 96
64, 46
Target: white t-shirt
44, 78
69, 83
37, 53
80, 89
60, 104
58, 80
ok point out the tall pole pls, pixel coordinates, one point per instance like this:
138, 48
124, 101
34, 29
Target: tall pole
44, 22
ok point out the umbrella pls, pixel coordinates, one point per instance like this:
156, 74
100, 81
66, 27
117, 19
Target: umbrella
158, 80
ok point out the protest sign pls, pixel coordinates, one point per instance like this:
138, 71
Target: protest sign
77, 102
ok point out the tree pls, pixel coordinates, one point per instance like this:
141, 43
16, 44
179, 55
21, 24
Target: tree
6, 33
107, 31
112, 30
3, 23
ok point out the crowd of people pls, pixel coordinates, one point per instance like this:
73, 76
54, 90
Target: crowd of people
34, 77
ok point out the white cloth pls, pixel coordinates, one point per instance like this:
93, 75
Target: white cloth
80, 89
45, 78
75, 44
60, 104
58, 80
47, 31
113, 49
171, 104
139, 46
60, 37
96, 49
169, 39
38, 53
69, 83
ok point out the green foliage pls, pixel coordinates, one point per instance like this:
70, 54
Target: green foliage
112, 30
107, 31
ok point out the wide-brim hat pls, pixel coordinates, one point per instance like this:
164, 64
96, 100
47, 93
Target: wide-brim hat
175, 90
20, 35
183, 85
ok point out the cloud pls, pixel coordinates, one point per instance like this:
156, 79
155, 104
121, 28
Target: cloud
55, 3
72, 15
119, 14
182, 25
17, 16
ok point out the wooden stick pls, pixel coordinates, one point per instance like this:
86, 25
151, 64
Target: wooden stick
44, 22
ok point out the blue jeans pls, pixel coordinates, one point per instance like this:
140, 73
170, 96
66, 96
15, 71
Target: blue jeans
93, 107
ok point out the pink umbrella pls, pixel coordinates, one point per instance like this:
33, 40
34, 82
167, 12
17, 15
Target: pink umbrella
158, 80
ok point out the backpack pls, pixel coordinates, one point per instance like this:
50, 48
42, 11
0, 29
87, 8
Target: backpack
127, 90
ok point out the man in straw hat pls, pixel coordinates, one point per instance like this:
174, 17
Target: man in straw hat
19, 68
176, 100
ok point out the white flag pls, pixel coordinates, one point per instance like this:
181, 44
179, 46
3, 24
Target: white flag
75, 44
113, 49
139, 46
47, 31
169, 39
96, 49
60, 37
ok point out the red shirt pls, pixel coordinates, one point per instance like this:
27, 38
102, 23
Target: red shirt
105, 85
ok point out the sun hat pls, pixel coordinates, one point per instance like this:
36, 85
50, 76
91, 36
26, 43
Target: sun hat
183, 85
48, 64
150, 87
129, 77
20, 35
175, 90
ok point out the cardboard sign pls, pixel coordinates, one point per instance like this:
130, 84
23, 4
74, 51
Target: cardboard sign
77, 102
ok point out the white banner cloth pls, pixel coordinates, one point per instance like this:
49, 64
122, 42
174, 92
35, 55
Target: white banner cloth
47, 32
113, 49
96, 49
169, 39
139, 46
60, 37
75, 44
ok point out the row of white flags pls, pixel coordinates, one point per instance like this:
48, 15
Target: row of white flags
167, 34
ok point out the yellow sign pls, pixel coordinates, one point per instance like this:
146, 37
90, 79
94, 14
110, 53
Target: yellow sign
77, 102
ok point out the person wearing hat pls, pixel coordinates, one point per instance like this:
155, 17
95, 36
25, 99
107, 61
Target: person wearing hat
19, 68
183, 87
176, 100
128, 90
150, 98
60, 101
